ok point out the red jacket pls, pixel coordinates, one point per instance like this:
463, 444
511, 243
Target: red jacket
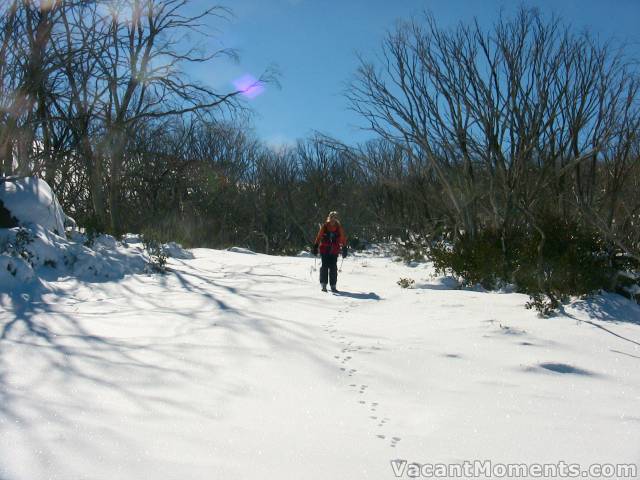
331, 238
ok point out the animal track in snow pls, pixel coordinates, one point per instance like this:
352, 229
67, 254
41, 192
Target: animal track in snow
382, 422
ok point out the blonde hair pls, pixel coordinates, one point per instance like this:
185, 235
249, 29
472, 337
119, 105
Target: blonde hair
333, 215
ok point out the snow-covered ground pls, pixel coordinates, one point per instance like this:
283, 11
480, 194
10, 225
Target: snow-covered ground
235, 365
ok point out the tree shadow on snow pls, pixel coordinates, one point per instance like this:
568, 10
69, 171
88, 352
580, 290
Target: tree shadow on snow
53, 331
609, 307
68, 353
626, 354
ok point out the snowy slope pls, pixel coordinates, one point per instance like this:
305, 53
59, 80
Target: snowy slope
236, 366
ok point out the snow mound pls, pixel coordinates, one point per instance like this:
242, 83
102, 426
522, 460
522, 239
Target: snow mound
175, 250
170, 249
440, 283
14, 271
304, 254
32, 202
39, 248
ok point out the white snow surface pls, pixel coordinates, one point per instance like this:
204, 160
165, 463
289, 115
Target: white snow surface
237, 366
32, 202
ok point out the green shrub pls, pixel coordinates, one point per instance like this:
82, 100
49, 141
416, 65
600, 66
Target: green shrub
478, 260
157, 255
412, 250
406, 282
572, 261
544, 305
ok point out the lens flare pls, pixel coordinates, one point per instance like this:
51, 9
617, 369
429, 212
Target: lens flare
249, 86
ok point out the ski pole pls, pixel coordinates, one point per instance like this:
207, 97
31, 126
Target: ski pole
340, 269
312, 269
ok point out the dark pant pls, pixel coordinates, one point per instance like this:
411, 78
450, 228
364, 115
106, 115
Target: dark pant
329, 268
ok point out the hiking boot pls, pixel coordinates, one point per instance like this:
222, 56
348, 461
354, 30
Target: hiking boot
334, 289
324, 287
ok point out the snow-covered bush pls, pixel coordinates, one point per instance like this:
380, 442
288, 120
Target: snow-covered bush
415, 248
157, 254
18, 244
36, 240
627, 280
26, 251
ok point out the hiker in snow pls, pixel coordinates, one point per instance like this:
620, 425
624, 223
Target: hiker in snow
330, 240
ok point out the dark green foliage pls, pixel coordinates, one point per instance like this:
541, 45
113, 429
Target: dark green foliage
544, 305
571, 260
476, 260
415, 249
6, 219
157, 255
356, 243
93, 228
406, 282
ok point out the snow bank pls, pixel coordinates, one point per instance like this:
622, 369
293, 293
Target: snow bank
175, 250
39, 248
440, 283
32, 202
36, 252
27, 254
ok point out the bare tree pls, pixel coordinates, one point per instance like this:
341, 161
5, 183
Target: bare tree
503, 116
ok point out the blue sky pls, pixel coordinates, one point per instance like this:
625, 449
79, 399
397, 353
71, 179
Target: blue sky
314, 44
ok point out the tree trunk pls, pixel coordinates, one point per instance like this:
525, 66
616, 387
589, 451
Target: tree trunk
7, 137
117, 160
